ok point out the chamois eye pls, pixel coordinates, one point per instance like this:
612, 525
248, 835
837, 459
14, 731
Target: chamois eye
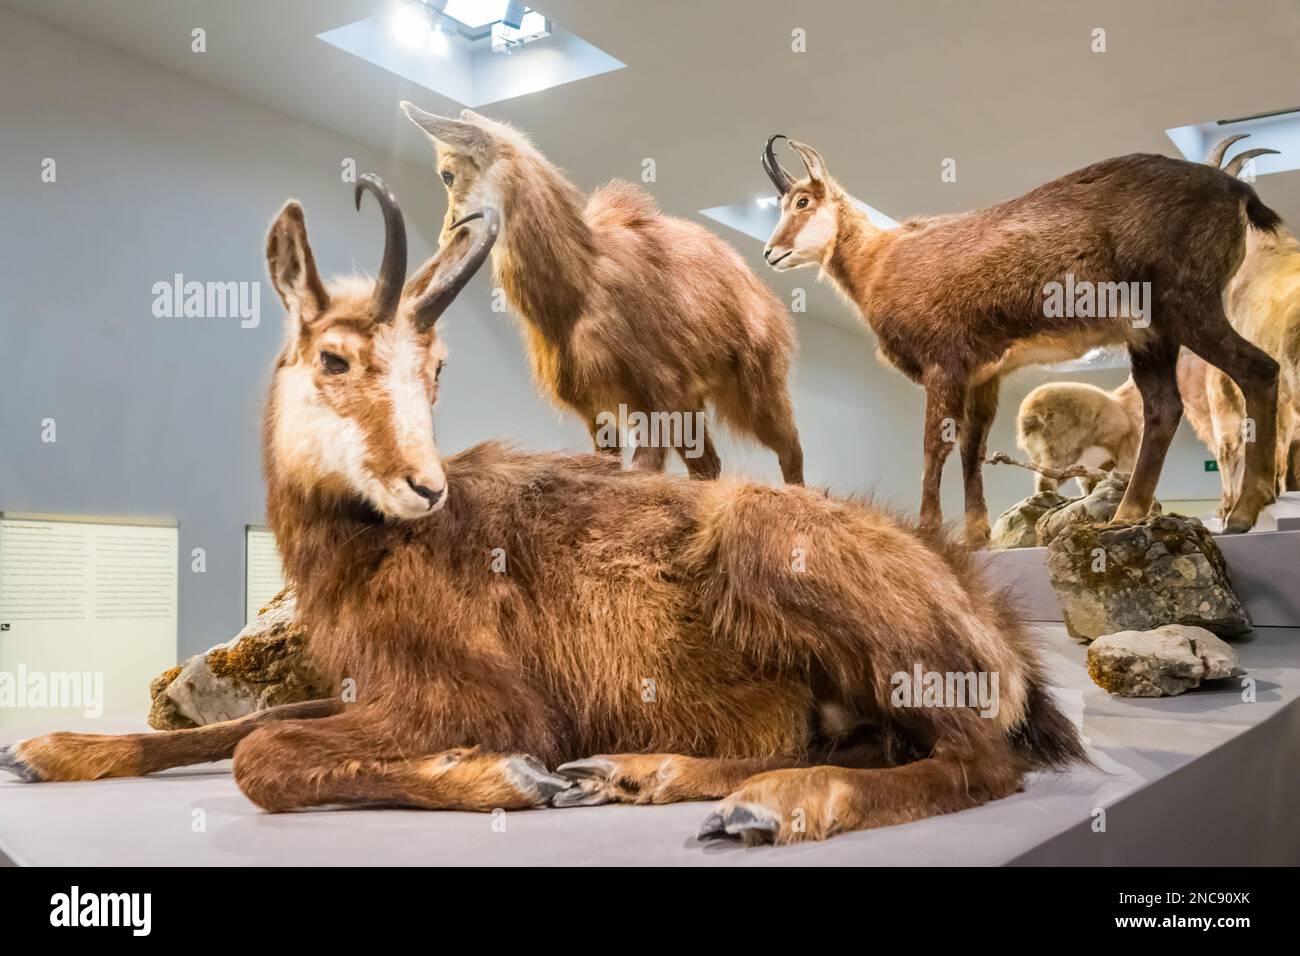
448, 177
437, 373
333, 364
802, 203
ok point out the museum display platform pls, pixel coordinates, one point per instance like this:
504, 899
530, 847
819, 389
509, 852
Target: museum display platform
1205, 778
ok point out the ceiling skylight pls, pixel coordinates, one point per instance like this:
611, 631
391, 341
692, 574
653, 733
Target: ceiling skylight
1279, 129
472, 51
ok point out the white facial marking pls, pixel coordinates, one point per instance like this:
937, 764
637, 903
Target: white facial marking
816, 234
310, 435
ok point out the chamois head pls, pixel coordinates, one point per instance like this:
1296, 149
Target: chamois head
809, 211
352, 400
475, 159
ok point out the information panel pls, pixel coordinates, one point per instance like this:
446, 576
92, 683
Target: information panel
263, 572
87, 615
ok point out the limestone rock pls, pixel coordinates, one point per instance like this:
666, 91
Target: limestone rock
1099, 506
1015, 527
265, 664
1162, 662
1135, 577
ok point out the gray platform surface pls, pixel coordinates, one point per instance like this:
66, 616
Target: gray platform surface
1142, 748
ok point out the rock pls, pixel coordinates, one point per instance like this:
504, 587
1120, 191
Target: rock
1135, 577
1015, 527
265, 664
1162, 662
1098, 506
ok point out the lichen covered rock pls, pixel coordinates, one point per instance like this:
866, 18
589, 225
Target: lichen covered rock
1162, 662
1096, 507
264, 665
1015, 527
1135, 577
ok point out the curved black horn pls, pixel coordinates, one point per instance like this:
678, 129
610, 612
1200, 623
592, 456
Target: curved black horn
1215, 158
1237, 162
775, 171
450, 279
392, 269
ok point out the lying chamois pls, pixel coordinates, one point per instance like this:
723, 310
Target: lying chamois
957, 302
622, 305
1061, 424
653, 639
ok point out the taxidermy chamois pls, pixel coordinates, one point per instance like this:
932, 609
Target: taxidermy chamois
652, 639
1061, 424
957, 302
622, 305
1263, 304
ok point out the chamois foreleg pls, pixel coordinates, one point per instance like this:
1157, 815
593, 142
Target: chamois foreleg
657, 778
945, 404
981, 406
67, 756
786, 806
1155, 373
353, 759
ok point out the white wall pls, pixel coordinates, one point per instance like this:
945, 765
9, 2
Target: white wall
159, 174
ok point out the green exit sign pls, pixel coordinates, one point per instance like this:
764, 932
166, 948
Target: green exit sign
1211, 465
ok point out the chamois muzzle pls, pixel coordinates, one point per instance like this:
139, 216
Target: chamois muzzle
392, 269
452, 276
772, 166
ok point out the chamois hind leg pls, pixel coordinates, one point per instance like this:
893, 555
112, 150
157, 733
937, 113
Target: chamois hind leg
705, 463
352, 759
65, 756
786, 806
1256, 374
656, 778
1293, 467
1155, 373
757, 403
945, 404
981, 406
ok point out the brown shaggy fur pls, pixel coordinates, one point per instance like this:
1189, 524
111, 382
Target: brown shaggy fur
622, 305
704, 639
956, 302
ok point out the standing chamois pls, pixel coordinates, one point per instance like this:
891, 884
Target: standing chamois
651, 638
957, 302
622, 305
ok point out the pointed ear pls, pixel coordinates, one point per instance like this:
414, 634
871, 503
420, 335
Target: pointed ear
456, 135
292, 266
469, 116
812, 159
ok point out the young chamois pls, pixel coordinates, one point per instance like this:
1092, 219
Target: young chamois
1061, 424
652, 639
623, 306
957, 302
1072, 423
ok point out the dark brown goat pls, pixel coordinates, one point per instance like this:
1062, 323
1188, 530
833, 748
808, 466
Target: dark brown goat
957, 302
622, 305
500, 612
